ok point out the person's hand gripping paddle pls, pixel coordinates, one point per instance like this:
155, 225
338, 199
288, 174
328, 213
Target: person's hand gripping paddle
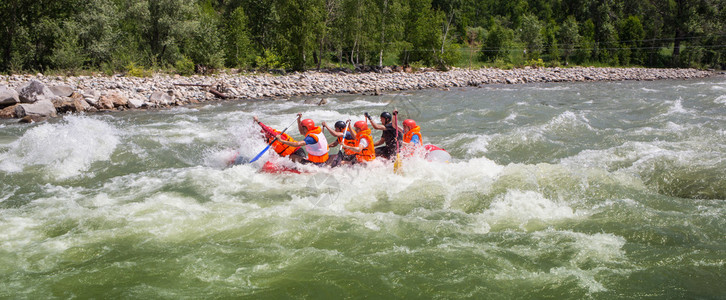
397, 162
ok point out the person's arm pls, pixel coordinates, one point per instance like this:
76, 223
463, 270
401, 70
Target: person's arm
374, 125
333, 144
299, 125
293, 144
379, 142
332, 132
354, 149
395, 113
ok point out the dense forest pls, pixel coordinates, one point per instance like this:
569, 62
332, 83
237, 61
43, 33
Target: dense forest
189, 36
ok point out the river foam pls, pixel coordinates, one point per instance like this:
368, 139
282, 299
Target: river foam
64, 149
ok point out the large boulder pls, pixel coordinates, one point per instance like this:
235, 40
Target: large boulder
35, 91
73, 104
44, 108
8, 96
61, 90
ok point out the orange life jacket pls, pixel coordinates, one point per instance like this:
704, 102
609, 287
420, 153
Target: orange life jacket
414, 131
349, 143
314, 134
369, 152
281, 149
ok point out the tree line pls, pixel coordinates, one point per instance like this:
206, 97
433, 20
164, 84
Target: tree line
191, 36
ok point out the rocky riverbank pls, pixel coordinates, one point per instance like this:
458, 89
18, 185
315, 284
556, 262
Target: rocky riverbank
35, 97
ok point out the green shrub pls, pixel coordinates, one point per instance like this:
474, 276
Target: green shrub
269, 60
136, 71
184, 66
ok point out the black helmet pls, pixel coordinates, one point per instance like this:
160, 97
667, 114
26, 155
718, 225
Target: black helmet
339, 125
386, 115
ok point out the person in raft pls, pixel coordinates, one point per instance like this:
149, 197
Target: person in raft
296, 154
345, 155
315, 143
391, 135
363, 149
412, 137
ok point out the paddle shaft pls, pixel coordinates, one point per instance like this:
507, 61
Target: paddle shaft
270, 143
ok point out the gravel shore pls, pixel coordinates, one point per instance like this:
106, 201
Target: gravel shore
22, 95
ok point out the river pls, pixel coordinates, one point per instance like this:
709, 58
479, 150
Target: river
577, 190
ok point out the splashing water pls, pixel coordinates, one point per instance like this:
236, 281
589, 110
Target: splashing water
568, 191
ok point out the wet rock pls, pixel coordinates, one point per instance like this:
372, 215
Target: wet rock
44, 108
35, 91
8, 112
31, 119
8, 96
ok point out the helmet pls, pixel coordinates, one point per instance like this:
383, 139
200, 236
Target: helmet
386, 115
410, 123
307, 123
361, 125
339, 125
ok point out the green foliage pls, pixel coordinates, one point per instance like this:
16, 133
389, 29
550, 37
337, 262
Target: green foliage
496, 42
269, 61
68, 54
184, 66
111, 35
136, 71
238, 48
536, 63
530, 34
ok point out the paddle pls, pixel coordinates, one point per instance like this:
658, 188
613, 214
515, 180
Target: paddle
397, 162
270, 144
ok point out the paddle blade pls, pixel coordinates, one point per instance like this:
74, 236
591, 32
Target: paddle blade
260, 155
397, 164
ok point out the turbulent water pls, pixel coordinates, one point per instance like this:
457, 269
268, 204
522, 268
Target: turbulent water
582, 190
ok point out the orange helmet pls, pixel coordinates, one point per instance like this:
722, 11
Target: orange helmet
308, 124
410, 123
361, 125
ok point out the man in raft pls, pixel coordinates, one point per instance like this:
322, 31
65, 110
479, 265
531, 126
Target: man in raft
363, 149
391, 135
345, 155
295, 154
315, 143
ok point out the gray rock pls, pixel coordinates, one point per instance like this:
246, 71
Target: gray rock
44, 108
61, 90
161, 98
35, 91
8, 96
135, 102
91, 97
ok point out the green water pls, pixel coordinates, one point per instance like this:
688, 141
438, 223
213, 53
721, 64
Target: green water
567, 191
